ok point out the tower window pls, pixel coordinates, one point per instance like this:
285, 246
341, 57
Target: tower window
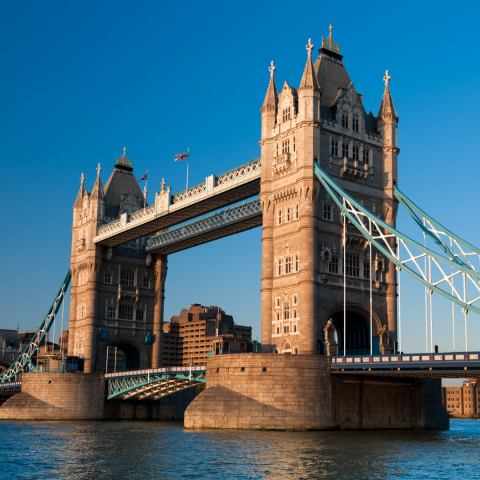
127, 278
297, 263
279, 266
334, 147
146, 282
295, 299
366, 270
286, 329
107, 277
125, 311
294, 144
345, 149
327, 211
111, 312
333, 265
366, 155
288, 264
356, 155
140, 315
294, 314
278, 330
297, 212
345, 120
280, 217
355, 123
353, 265
286, 114
286, 312
278, 316
286, 146
288, 214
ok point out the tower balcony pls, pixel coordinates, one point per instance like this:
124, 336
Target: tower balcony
281, 164
353, 169
128, 293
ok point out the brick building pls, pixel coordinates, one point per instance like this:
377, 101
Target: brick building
462, 401
192, 332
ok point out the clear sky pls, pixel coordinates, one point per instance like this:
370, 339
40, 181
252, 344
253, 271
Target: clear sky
81, 80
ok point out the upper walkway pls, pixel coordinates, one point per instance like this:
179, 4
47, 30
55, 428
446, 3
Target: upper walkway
169, 210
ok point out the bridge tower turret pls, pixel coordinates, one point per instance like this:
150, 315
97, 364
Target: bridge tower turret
85, 267
387, 121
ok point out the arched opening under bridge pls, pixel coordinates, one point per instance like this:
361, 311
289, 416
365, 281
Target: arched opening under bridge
122, 356
358, 333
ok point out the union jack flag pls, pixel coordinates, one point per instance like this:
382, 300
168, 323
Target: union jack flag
143, 178
181, 156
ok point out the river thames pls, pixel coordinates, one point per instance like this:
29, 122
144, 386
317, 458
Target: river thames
158, 450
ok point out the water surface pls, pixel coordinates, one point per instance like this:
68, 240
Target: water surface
165, 450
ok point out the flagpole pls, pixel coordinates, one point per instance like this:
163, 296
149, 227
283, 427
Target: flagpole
187, 166
145, 199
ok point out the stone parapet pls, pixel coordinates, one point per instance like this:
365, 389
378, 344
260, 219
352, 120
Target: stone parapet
299, 392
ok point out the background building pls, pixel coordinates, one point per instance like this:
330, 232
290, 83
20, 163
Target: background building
190, 335
462, 401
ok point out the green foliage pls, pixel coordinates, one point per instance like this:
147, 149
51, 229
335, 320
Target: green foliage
200, 389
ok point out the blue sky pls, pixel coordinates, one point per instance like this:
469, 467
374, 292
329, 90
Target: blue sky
81, 80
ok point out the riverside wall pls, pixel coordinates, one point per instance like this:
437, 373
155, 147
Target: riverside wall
82, 396
299, 392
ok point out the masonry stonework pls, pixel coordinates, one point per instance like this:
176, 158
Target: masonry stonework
298, 392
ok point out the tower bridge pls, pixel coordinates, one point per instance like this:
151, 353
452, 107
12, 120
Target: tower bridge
332, 262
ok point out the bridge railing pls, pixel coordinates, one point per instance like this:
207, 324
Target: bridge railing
157, 371
414, 359
212, 186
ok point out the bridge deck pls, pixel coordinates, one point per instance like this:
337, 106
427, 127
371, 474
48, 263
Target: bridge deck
215, 193
428, 365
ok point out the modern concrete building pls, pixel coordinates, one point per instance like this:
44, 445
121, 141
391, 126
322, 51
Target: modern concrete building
191, 334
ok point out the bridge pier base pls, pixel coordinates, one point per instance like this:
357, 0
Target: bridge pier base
299, 392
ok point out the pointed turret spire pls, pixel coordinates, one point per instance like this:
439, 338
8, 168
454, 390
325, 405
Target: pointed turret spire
81, 193
271, 98
97, 191
387, 109
309, 79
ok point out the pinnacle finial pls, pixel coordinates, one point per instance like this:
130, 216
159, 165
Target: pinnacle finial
329, 43
162, 183
309, 46
82, 179
386, 78
272, 69
330, 28
124, 150
99, 169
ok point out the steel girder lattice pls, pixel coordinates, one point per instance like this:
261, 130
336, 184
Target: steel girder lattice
221, 219
26, 356
153, 387
384, 237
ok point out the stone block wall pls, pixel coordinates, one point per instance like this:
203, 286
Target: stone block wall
299, 392
57, 396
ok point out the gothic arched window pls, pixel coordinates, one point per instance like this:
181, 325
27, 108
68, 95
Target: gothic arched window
345, 119
127, 278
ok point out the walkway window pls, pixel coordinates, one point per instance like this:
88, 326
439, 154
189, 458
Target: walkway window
146, 282
333, 265
286, 312
125, 311
127, 278
345, 149
345, 119
334, 151
288, 264
140, 315
353, 265
327, 211
107, 277
111, 312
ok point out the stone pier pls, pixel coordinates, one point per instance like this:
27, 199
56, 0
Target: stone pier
299, 392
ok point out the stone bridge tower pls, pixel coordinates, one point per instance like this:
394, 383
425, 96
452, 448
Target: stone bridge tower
324, 120
116, 294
